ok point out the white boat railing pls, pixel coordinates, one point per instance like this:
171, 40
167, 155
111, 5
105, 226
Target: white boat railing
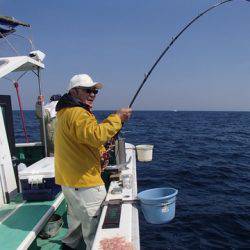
129, 223
28, 144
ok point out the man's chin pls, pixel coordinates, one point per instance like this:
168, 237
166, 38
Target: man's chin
90, 103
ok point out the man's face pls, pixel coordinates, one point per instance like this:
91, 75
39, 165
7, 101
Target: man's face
86, 95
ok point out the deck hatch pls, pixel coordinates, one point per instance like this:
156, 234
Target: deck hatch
113, 215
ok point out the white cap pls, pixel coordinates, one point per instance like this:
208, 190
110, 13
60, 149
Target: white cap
83, 80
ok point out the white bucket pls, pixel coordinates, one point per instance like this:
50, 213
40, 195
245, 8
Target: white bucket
144, 152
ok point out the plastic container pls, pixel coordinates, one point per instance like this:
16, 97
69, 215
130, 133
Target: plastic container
158, 204
20, 167
127, 181
144, 152
38, 181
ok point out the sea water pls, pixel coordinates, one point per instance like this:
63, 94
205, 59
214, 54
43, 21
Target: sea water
206, 156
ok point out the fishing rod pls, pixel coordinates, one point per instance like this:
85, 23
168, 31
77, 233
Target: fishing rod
169, 46
172, 42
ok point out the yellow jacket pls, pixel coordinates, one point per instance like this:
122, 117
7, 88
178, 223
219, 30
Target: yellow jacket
79, 142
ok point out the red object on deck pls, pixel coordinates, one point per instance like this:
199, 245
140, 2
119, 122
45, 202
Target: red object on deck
21, 111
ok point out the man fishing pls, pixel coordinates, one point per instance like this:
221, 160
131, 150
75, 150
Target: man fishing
78, 151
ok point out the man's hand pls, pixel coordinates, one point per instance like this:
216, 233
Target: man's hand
40, 99
124, 113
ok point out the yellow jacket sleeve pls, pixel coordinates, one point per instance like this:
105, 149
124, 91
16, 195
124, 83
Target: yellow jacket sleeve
85, 128
102, 149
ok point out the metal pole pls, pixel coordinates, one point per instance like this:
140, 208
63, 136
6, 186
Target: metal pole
4, 185
43, 120
21, 112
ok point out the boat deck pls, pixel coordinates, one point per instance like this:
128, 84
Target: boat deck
55, 243
22, 222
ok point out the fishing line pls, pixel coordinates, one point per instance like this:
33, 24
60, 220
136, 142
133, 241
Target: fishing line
172, 42
174, 39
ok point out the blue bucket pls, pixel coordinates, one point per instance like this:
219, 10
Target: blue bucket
158, 204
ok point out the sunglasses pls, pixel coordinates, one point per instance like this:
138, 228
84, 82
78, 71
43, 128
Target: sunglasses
90, 90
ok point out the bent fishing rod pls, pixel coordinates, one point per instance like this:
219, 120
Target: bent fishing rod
172, 42
174, 39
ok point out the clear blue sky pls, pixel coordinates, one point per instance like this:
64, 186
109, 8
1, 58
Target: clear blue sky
117, 41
